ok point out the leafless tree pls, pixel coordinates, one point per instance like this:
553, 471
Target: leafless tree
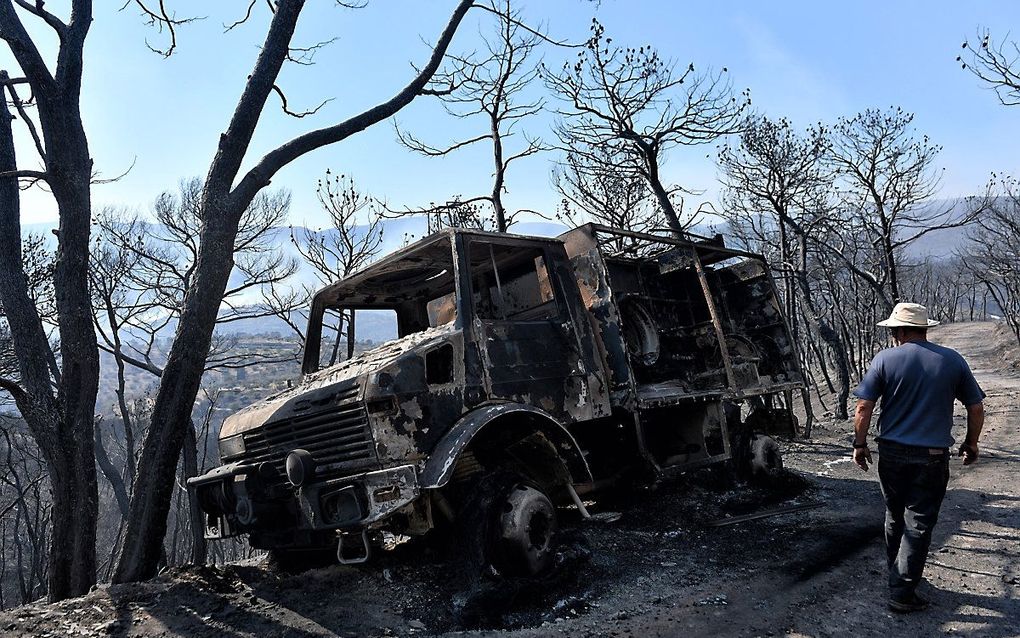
120, 306
997, 64
25, 511
993, 251
777, 172
597, 191
226, 194
24, 501
890, 181
630, 103
948, 287
38, 263
492, 88
58, 403
350, 242
141, 272
154, 265
354, 236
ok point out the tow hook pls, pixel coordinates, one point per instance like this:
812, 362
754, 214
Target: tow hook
344, 558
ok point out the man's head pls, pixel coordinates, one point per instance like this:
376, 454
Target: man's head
908, 322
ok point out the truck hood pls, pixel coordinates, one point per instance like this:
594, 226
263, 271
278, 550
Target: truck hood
281, 405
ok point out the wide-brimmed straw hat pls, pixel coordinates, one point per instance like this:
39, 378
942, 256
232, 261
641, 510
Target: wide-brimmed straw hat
908, 315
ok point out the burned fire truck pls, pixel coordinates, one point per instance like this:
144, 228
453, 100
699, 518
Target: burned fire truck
527, 372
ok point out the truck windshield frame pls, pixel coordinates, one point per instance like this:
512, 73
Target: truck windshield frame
408, 282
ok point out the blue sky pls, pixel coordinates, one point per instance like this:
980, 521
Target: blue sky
808, 61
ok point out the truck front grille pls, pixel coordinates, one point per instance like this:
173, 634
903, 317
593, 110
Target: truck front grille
337, 434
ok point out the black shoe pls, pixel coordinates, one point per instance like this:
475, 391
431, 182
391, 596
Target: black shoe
905, 606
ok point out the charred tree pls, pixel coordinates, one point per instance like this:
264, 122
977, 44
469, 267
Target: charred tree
493, 90
630, 103
775, 171
57, 404
993, 250
225, 196
890, 180
596, 190
350, 242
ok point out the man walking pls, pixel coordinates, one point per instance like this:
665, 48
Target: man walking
917, 382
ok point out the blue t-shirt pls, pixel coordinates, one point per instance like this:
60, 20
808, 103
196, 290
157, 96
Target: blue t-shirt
917, 382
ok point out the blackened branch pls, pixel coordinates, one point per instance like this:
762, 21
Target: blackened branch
19, 105
162, 20
305, 56
298, 114
36, 9
247, 16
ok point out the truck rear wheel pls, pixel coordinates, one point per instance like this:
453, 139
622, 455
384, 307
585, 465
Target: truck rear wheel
766, 459
508, 525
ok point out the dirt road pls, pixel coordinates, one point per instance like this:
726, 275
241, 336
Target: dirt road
660, 570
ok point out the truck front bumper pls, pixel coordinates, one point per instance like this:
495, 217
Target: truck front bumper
236, 500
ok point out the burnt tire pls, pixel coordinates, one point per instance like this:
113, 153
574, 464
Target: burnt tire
507, 527
766, 460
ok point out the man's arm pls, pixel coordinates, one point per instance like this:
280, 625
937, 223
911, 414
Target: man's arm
862, 422
975, 421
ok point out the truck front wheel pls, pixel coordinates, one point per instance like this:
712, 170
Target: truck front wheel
508, 525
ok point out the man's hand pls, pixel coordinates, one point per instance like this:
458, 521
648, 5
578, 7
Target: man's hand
862, 421
975, 421
969, 452
862, 457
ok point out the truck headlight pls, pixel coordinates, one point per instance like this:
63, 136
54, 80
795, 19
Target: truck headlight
231, 446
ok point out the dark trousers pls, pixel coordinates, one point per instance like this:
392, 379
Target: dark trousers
913, 484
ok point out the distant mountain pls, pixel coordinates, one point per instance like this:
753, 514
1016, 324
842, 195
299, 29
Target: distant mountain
936, 244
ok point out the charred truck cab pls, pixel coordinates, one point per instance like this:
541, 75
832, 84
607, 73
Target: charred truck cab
527, 371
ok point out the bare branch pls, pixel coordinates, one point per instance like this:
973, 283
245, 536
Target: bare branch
414, 144
117, 178
161, 20
298, 114
247, 16
13, 388
995, 64
516, 21
20, 106
305, 56
25, 174
259, 176
37, 10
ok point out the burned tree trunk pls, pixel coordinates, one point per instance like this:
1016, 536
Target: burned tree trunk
189, 469
61, 422
171, 415
651, 175
826, 333
221, 206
